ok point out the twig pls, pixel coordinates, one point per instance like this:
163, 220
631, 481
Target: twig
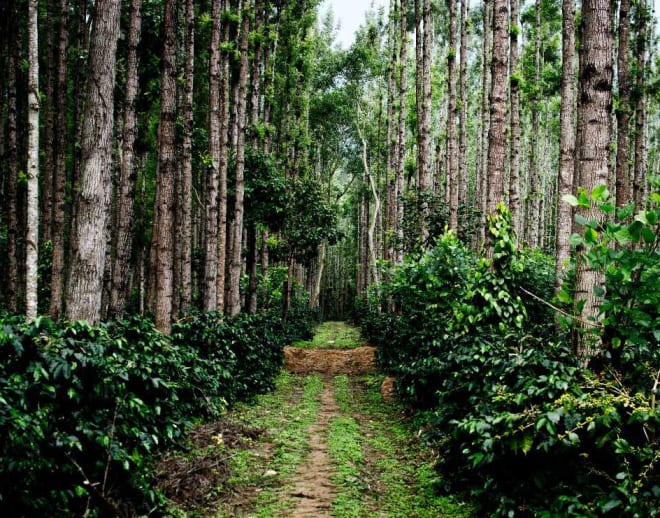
559, 310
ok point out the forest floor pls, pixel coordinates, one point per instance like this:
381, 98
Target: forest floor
329, 441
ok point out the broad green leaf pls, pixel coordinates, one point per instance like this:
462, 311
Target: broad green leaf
570, 199
576, 240
626, 211
581, 220
648, 235
600, 193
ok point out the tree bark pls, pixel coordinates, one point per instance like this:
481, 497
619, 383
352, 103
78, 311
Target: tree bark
566, 142
12, 289
210, 300
463, 99
235, 261
32, 227
639, 172
223, 167
59, 174
594, 134
486, 81
88, 237
624, 109
121, 279
534, 195
514, 93
498, 95
163, 245
401, 127
184, 216
452, 144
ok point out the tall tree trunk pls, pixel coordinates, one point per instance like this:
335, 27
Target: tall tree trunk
463, 99
486, 80
48, 114
566, 142
12, 288
639, 172
88, 237
452, 144
235, 260
498, 97
32, 227
184, 209
121, 279
624, 109
59, 174
401, 127
210, 300
594, 134
534, 195
163, 245
251, 297
514, 161
425, 183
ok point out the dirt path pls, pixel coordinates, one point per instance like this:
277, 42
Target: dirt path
312, 482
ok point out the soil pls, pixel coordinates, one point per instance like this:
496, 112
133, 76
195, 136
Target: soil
312, 482
193, 482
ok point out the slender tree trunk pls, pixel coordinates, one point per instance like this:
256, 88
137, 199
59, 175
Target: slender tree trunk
127, 173
452, 144
48, 114
223, 167
84, 289
184, 216
59, 174
566, 142
213, 171
486, 81
32, 227
639, 172
534, 196
12, 178
401, 127
163, 244
425, 184
624, 109
594, 134
251, 298
235, 262
463, 99
498, 98
514, 92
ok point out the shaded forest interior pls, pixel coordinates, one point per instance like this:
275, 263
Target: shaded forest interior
188, 185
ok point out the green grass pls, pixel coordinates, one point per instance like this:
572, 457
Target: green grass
286, 414
392, 471
333, 335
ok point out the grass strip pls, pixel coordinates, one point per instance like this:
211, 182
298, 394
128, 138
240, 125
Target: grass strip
333, 335
398, 478
286, 414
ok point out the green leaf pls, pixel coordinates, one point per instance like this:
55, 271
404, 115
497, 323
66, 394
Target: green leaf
591, 236
607, 208
648, 235
642, 218
570, 199
600, 193
576, 240
581, 220
626, 211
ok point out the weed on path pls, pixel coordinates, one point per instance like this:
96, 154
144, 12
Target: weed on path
327, 445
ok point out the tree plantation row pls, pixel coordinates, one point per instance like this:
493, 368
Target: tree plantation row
160, 156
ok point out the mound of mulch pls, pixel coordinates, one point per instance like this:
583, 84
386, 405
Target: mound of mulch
330, 361
197, 479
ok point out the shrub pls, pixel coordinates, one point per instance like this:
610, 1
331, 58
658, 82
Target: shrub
84, 409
